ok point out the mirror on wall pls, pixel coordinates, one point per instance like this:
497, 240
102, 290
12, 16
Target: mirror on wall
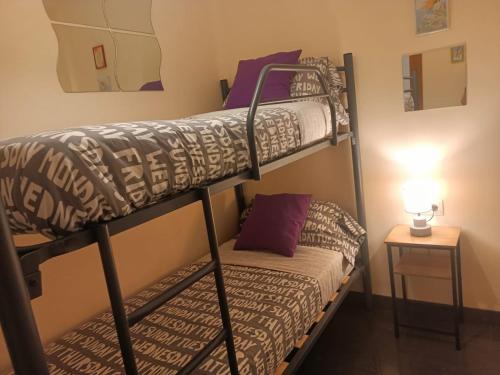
141, 55
87, 12
105, 45
435, 79
131, 15
86, 59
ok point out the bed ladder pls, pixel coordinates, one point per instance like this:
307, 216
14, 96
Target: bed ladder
124, 323
20, 329
18, 322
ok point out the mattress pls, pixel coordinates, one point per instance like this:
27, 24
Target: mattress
58, 182
314, 118
327, 266
273, 303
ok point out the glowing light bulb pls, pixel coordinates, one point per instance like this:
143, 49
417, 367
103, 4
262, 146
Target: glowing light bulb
419, 195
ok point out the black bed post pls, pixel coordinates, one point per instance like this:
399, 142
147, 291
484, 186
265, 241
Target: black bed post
240, 198
356, 161
16, 315
224, 89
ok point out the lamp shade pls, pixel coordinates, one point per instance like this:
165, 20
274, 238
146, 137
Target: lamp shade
418, 196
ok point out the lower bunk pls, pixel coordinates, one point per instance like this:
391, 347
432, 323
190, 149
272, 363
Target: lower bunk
278, 307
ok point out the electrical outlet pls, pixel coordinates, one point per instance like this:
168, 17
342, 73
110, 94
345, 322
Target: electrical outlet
440, 210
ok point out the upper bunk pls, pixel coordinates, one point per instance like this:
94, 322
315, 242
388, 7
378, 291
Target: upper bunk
65, 183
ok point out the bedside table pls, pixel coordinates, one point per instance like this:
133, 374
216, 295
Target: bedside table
426, 265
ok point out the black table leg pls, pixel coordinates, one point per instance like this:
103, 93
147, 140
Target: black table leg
456, 308
459, 274
393, 292
403, 278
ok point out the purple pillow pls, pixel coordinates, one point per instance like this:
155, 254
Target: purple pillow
277, 85
275, 223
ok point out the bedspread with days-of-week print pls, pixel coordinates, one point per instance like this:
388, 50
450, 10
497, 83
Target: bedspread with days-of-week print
269, 309
57, 182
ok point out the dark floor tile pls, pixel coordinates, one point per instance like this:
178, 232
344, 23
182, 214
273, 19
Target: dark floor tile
362, 342
495, 333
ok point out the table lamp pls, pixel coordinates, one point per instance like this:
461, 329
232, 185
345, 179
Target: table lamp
418, 199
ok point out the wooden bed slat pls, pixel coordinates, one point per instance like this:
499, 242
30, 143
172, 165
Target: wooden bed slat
281, 369
345, 280
320, 316
300, 342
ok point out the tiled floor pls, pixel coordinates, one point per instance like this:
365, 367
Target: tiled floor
360, 342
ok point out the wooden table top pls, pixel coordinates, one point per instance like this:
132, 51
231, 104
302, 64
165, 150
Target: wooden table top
442, 237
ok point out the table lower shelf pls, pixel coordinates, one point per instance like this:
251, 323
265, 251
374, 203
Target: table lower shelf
424, 265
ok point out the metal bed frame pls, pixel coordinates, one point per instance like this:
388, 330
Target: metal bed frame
20, 277
413, 90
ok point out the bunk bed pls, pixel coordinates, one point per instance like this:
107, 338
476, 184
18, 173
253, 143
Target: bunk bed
20, 277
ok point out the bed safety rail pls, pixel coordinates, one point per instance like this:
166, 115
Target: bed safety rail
256, 101
414, 88
350, 91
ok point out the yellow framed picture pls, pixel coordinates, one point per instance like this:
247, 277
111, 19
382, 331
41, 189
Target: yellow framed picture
99, 57
457, 54
431, 16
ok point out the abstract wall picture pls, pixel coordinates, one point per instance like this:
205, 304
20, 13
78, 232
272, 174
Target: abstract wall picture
457, 54
431, 16
99, 57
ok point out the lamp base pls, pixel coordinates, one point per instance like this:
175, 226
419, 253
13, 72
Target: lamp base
420, 228
421, 232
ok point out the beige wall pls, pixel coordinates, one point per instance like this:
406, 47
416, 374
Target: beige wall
31, 99
332, 167
249, 29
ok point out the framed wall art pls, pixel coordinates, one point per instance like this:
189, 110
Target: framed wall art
99, 57
457, 54
431, 16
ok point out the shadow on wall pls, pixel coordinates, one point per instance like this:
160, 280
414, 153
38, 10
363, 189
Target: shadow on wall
487, 299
